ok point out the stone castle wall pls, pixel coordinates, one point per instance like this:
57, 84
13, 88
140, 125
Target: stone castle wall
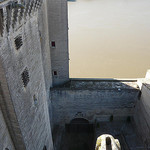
142, 113
95, 100
34, 57
24, 55
5, 138
46, 54
58, 33
9, 116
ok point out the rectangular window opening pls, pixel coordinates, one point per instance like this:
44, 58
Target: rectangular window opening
1, 22
53, 44
55, 73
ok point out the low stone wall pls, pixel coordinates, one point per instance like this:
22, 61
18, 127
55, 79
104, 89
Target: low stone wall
94, 100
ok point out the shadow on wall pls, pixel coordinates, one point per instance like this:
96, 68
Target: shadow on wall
95, 100
142, 114
79, 135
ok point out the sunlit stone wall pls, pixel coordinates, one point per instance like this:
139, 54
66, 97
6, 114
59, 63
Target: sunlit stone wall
58, 34
24, 50
5, 138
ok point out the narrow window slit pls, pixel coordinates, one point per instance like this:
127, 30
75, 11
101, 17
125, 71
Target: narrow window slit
1, 22
35, 100
25, 77
139, 95
108, 141
18, 42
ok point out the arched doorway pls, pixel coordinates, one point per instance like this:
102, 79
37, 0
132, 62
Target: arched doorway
79, 134
79, 125
79, 121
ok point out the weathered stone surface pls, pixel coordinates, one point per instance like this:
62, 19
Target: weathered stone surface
107, 142
34, 54
5, 138
58, 32
9, 114
97, 102
26, 101
142, 114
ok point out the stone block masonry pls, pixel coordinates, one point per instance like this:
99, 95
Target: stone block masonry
11, 125
142, 112
5, 138
21, 56
94, 99
34, 57
58, 33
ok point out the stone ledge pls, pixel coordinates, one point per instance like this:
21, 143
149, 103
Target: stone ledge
101, 84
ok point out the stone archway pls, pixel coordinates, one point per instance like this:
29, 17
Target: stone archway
79, 125
79, 134
79, 121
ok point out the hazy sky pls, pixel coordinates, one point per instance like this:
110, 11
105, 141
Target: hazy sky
109, 38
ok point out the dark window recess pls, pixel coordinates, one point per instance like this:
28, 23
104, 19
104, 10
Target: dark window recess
25, 77
1, 22
53, 44
44, 148
18, 42
139, 95
55, 73
108, 141
35, 100
8, 21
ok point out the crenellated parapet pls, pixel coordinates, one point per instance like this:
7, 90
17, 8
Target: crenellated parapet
14, 13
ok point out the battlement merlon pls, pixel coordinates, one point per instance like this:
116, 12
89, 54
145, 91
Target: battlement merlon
148, 74
15, 13
4, 3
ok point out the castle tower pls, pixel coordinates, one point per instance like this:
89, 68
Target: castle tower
25, 76
58, 34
